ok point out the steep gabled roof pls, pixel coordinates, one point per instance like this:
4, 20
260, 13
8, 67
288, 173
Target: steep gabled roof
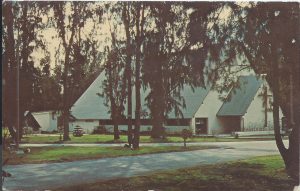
241, 97
92, 106
84, 85
31, 121
193, 100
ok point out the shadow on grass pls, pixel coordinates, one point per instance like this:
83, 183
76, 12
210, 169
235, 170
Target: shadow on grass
223, 177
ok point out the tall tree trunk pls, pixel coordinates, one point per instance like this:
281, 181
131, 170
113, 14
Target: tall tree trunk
266, 105
158, 104
66, 136
136, 139
11, 81
276, 92
158, 124
60, 16
292, 122
114, 114
139, 37
290, 156
116, 131
25, 93
292, 165
156, 121
116, 123
112, 100
126, 20
129, 106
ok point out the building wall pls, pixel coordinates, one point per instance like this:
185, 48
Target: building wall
176, 129
230, 124
46, 121
89, 125
43, 120
124, 128
254, 118
209, 109
53, 121
192, 126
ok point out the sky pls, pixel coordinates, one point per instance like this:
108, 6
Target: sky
101, 33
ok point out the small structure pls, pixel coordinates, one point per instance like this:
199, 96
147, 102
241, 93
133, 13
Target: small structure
30, 123
78, 131
246, 110
47, 120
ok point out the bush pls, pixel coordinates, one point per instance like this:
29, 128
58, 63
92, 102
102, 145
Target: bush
99, 130
185, 134
28, 130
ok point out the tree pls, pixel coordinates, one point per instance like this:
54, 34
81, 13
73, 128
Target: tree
160, 57
274, 50
133, 18
139, 38
69, 24
170, 62
127, 20
46, 90
265, 103
59, 12
158, 48
114, 85
258, 32
21, 21
185, 134
10, 71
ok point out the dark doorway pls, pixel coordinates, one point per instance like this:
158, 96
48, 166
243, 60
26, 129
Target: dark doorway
231, 123
201, 125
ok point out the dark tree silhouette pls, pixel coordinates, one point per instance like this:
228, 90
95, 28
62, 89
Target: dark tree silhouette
266, 34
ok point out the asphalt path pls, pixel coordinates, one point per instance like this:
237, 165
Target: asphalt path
53, 175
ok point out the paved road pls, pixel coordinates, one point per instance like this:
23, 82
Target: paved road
53, 175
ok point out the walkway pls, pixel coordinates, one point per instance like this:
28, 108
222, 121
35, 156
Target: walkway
53, 175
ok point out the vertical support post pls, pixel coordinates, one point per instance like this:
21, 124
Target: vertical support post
18, 94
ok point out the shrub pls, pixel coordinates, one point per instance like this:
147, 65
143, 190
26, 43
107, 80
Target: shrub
185, 134
99, 130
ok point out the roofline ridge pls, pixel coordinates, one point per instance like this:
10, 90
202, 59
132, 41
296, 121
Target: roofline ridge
261, 84
210, 89
259, 80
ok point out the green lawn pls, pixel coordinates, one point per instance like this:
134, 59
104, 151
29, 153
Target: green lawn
123, 139
256, 174
70, 153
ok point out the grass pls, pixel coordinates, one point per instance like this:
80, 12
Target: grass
70, 153
256, 174
123, 139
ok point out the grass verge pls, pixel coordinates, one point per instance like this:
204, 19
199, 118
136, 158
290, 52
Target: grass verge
70, 153
123, 139
256, 174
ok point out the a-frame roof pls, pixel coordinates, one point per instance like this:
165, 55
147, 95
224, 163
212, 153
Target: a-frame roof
193, 100
241, 97
91, 106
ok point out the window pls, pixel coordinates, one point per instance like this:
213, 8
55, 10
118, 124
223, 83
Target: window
200, 121
201, 125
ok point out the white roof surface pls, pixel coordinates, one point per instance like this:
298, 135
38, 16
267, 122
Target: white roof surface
91, 106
